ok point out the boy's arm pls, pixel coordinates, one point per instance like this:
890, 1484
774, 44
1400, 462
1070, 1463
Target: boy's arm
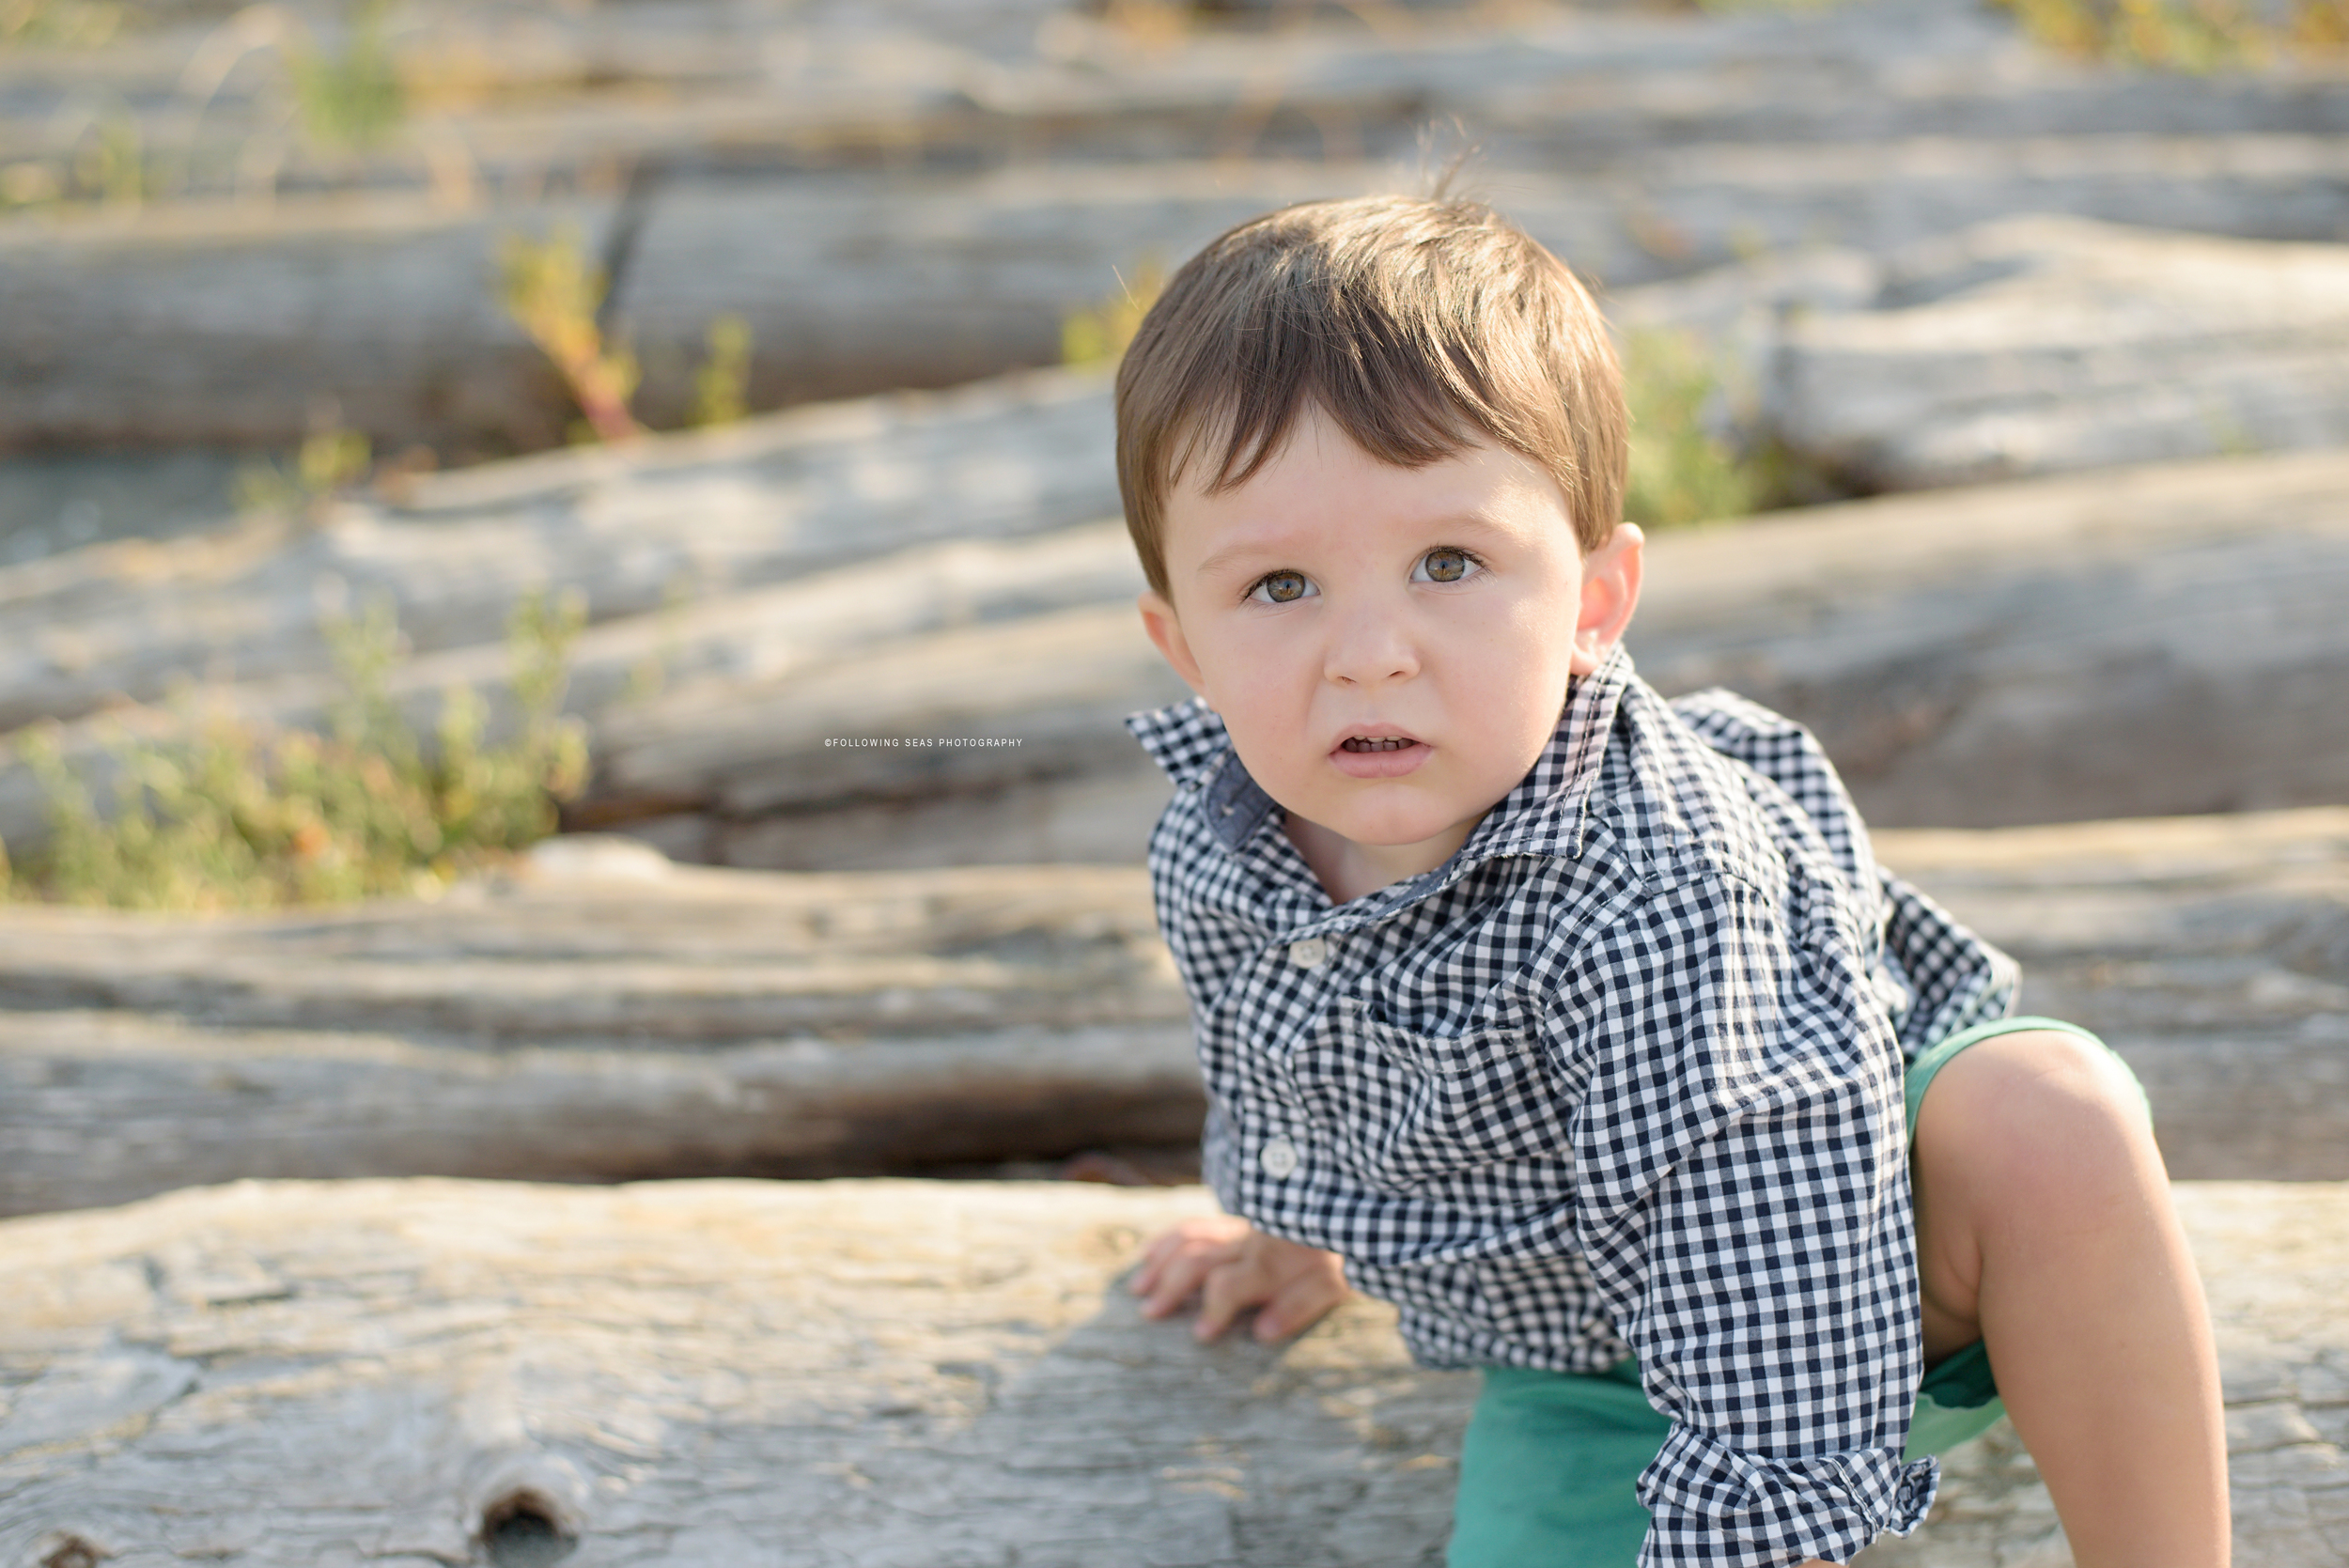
1743, 1203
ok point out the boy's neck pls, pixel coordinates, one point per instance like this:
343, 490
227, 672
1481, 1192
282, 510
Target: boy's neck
1350, 869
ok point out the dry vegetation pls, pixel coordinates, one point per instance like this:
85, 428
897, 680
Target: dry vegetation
235, 816
2183, 34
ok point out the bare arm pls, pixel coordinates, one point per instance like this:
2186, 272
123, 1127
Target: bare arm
1230, 1266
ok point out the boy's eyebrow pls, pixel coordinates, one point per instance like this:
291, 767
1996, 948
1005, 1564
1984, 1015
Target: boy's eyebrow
1462, 523
1240, 551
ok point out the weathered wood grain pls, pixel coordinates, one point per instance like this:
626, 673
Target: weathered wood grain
2150, 642
215, 326
724, 1372
603, 939
2001, 655
2212, 952
615, 1019
570, 100
684, 1373
109, 1107
653, 530
2005, 655
622, 1019
2033, 345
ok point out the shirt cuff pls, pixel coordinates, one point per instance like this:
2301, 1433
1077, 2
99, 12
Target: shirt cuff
1217, 1158
1719, 1507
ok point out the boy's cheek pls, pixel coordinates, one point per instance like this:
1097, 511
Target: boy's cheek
1251, 677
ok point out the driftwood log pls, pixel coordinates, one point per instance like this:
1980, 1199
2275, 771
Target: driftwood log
605, 1016
218, 326
2001, 655
2157, 641
2005, 655
2212, 952
567, 99
653, 530
1011, 721
651, 673
722, 1374
664, 540
2033, 345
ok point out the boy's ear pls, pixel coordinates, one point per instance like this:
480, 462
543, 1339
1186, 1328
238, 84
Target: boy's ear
1157, 619
1611, 591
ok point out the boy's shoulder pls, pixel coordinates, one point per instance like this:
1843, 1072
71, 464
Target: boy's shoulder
1711, 781
1754, 795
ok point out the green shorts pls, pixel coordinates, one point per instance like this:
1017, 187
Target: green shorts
1548, 1469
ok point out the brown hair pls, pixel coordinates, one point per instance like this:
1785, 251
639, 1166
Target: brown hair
1420, 326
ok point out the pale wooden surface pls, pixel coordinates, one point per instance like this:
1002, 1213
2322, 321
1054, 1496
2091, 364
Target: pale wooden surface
787, 87
595, 1024
2183, 611
2007, 654
210, 327
2036, 344
655, 531
2212, 952
686, 1373
726, 1373
2147, 641
620, 1020
1057, 684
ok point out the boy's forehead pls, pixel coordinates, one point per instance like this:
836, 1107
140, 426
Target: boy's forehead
1318, 476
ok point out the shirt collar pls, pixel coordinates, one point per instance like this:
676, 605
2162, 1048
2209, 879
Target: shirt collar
1544, 815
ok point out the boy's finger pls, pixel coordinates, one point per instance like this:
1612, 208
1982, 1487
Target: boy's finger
1298, 1306
1189, 1232
1230, 1290
1145, 1277
1163, 1248
1180, 1277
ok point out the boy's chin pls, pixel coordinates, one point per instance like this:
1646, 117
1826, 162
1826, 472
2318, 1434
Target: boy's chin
1389, 830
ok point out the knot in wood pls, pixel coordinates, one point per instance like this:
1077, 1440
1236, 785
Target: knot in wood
520, 1531
71, 1551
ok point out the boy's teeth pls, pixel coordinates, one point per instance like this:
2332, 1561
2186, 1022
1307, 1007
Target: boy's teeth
1389, 743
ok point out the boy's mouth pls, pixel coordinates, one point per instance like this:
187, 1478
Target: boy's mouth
1383, 754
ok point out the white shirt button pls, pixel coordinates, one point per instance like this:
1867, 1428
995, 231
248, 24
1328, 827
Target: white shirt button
1278, 1158
1310, 954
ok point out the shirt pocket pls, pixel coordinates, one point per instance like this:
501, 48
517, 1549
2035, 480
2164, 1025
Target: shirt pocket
1405, 1112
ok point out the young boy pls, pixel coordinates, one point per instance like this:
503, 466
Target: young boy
1575, 1022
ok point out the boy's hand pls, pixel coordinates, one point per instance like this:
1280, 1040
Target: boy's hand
1231, 1266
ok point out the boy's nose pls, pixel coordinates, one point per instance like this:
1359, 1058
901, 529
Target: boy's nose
1369, 650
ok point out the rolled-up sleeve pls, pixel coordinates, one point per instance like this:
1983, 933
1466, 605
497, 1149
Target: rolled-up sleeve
1743, 1203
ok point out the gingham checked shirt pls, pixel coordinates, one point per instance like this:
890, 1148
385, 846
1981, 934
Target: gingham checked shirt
1621, 1076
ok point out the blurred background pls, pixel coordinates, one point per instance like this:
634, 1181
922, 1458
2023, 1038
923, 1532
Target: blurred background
465, 467
562, 619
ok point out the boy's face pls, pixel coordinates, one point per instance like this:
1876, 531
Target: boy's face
1389, 647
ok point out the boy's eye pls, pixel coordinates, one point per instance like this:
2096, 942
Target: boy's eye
1280, 588
1445, 566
